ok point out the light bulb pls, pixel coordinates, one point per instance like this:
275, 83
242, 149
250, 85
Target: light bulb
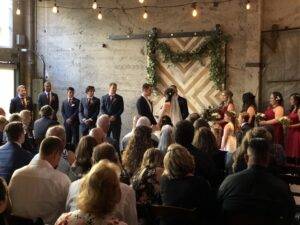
145, 15
141, 1
248, 5
55, 9
194, 13
100, 15
94, 6
18, 11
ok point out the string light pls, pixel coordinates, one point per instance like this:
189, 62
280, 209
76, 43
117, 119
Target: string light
248, 5
141, 1
100, 15
194, 12
94, 6
145, 15
18, 11
55, 8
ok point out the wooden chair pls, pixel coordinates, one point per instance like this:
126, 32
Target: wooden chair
17, 220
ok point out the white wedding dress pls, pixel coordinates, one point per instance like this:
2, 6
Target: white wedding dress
172, 110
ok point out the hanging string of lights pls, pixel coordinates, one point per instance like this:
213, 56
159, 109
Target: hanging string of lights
55, 8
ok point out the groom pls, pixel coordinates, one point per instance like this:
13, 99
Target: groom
182, 103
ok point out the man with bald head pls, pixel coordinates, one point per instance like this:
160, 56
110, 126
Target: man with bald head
21, 101
98, 134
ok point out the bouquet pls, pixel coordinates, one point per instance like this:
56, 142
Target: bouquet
284, 121
260, 116
210, 114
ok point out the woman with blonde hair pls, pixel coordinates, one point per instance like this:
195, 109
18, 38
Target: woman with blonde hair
98, 196
146, 181
181, 188
166, 138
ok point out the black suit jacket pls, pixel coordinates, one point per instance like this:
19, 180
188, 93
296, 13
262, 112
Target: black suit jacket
16, 105
86, 111
40, 128
112, 108
42, 100
144, 109
183, 107
70, 110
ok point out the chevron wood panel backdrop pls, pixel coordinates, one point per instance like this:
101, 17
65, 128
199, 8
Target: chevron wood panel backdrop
191, 78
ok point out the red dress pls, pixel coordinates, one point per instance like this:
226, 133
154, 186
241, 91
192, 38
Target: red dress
293, 137
278, 129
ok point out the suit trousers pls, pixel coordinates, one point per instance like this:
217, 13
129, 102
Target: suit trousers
115, 130
72, 133
84, 129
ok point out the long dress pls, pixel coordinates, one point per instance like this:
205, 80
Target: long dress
172, 110
293, 137
278, 129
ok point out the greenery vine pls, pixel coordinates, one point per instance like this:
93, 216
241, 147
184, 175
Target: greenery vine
213, 47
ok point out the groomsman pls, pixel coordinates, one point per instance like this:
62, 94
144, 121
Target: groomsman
112, 105
48, 98
144, 105
21, 101
89, 108
69, 111
182, 103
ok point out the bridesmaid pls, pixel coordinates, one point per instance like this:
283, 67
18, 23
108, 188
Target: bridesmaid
273, 113
249, 106
226, 105
293, 132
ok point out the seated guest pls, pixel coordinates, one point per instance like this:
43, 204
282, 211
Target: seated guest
244, 127
12, 155
4, 202
193, 117
2, 112
255, 191
181, 188
165, 120
146, 181
15, 117
98, 134
41, 125
126, 138
3, 123
29, 143
126, 209
200, 123
103, 122
204, 165
166, 138
38, 190
137, 146
83, 155
99, 194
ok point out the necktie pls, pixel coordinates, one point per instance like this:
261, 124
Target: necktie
70, 101
89, 101
23, 102
48, 98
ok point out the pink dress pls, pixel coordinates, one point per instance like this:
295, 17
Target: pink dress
278, 129
293, 137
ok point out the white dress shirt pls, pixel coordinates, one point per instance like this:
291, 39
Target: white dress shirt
38, 190
125, 210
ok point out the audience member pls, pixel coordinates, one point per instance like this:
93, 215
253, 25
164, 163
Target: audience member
83, 156
200, 123
38, 190
15, 117
126, 209
138, 144
98, 134
99, 194
3, 123
127, 136
204, 166
29, 143
41, 125
193, 117
2, 112
146, 181
4, 202
12, 155
166, 138
165, 120
244, 127
181, 188
255, 191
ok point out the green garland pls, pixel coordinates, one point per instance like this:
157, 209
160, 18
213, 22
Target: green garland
212, 47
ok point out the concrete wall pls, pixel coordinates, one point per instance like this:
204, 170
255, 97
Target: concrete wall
71, 43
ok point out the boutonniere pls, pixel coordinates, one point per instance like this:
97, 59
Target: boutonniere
72, 104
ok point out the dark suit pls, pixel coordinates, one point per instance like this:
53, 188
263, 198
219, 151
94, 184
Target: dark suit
12, 157
40, 128
183, 107
113, 107
54, 103
88, 111
16, 105
69, 110
241, 133
144, 109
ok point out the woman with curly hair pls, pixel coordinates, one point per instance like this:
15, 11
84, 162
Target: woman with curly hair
134, 151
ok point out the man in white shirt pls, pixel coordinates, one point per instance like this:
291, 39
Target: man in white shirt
38, 190
126, 209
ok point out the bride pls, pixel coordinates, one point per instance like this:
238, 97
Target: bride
171, 106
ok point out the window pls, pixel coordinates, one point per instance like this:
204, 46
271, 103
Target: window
7, 90
6, 23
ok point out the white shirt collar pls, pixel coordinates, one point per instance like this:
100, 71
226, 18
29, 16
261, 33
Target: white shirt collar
41, 162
